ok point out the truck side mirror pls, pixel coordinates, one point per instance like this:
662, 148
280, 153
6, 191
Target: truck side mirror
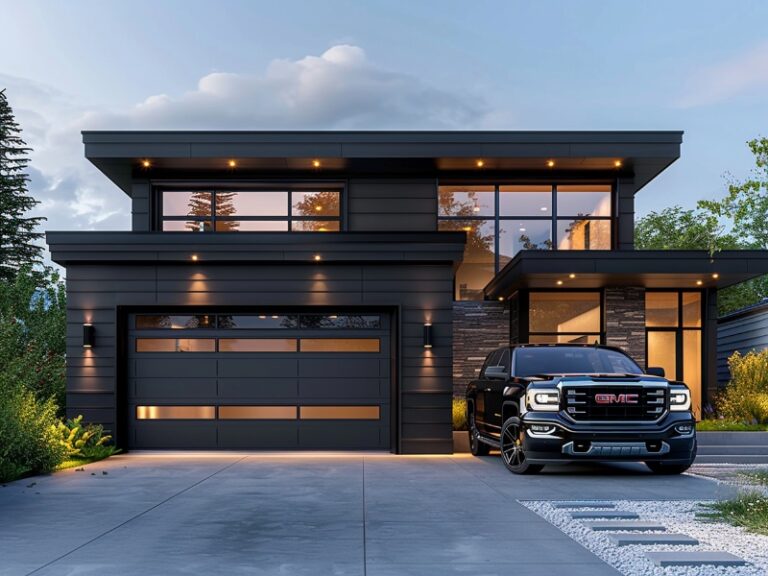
655, 371
496, 373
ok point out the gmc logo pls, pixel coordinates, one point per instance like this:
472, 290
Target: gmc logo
617, 398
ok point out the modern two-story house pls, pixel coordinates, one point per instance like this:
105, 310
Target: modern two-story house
334, 290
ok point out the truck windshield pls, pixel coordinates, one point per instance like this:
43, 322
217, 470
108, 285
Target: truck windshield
565, 360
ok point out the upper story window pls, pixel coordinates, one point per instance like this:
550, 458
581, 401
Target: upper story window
250, 210
502, 219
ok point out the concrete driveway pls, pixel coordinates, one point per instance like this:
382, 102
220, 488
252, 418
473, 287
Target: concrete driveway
314, 514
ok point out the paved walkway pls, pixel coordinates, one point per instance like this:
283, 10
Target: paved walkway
314, 514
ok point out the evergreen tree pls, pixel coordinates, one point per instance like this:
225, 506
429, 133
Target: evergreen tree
18, 239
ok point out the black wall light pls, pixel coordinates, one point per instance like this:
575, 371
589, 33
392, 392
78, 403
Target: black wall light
89, 336
427, 335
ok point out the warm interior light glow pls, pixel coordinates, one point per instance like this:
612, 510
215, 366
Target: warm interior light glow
232, 163
480, 163
316, 163
551, 163
194, 257
715, 275
467, 228
318, 208
617, 163
318, 258
571, 276
559, 282
699, 282
146, 163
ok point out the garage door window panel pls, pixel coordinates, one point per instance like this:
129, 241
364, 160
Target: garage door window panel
175, 345
258, 344
340, 345
257, 412
347, 321
340, 412
174, 322
175, 412
257, 321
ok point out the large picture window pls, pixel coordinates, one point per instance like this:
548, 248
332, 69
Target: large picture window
250, 210
564, 317
501, 220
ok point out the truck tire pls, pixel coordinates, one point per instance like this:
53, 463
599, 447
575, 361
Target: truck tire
660, 467
476, 447
512, 453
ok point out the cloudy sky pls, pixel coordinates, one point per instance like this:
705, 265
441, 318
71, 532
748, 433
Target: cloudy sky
698, 66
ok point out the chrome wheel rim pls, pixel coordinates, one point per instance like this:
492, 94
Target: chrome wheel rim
512, 447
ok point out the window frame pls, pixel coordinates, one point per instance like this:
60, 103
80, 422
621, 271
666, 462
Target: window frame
214, 187
525, 301
553, 218
679, 331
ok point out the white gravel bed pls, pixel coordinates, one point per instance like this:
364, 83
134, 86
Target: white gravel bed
678, 517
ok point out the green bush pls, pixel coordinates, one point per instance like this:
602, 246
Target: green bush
459, 414
84, 441
745, 399
29, 439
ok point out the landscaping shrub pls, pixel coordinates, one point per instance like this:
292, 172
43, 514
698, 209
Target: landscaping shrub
29, 440
745, 399
459, 414
87, 441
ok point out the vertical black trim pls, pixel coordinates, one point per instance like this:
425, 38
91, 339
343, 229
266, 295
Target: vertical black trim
496, 228
395, 400
121, 379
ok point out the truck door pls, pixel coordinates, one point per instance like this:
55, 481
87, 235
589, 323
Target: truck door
494, 390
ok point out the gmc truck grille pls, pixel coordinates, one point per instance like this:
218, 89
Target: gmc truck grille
615, 402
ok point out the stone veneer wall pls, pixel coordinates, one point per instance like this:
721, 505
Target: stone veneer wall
478, 328
625, 321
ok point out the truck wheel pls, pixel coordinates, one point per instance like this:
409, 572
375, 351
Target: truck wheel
660, 467
476, 447
512, 452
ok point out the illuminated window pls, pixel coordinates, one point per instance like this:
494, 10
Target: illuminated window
175, 412
340, 345
564, 317
257, 412
174, 322
339, 412
175, 345
257, 344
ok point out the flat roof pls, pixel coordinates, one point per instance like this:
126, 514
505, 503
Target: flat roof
642, 154
673, 269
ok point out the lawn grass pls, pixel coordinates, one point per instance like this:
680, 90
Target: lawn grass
729, 426
756, 476
749, 510
77, 462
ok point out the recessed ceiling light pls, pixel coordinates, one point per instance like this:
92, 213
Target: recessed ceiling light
699, 282
194, 257
480, 163
559, 282
617, 163
231, 163
146, 163
543, 208
551, 163
316, 163
522, 229
571, 275
467, 228
317, 257
715, 275
262, 317
274, 317
501, 298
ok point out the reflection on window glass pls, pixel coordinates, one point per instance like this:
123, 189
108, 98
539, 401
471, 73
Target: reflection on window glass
251, 225
525, 200
662, 351
478, 266
252, 203
258, 344
582, 234
564, 339
466, 201
175, 345
315, 225
186, 226
258, 321
692, 309
340, 321
692, 367
180, 203
661, 309
575, 312
584, 200
516, 235
180, 322
323, 203
175, 412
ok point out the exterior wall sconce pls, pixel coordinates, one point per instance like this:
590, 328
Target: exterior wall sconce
427, 335
89, 336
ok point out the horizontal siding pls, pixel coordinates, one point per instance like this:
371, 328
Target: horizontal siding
741, 334
392, 205
423, 293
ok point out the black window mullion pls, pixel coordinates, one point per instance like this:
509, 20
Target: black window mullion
553, 218
496, 243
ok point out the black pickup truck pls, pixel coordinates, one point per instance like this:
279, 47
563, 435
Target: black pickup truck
554, 403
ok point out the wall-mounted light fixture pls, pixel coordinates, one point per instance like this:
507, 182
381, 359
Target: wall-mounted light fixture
89, 336
428, 335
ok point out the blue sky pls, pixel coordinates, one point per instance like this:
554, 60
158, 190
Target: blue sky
701, 67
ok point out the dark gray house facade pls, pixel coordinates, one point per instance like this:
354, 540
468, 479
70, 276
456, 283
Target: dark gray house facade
334, 290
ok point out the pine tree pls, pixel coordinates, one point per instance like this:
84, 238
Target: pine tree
18, 238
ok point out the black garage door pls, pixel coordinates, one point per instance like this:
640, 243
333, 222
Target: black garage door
259, 380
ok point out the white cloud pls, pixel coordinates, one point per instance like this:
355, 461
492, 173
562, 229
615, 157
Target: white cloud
340, 89
722, 81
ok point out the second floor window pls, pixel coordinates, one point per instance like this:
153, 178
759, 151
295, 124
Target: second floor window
250, 210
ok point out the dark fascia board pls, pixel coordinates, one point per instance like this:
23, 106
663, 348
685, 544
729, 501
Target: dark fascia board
412, 247
651, 268
115, 153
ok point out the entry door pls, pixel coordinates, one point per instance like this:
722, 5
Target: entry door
258, 380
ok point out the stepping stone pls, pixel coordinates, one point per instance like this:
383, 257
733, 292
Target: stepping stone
694, 559
637, 526
583, 504
607, 514
628, 539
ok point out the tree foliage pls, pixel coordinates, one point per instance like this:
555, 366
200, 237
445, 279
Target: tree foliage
18, 236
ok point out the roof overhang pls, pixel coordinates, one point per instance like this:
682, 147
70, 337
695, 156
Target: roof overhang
264, 247
119, 154
678, 269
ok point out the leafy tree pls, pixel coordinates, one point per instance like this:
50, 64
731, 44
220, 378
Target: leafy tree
17, 231
317, 204
675, 228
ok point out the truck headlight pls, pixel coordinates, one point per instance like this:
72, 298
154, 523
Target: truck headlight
543, 400
679, 399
